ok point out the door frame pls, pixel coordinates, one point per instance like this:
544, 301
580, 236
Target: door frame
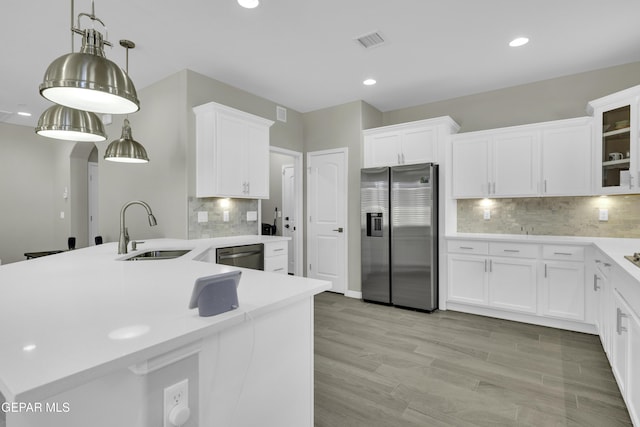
291, 167
298, 205
345, 152
93, 171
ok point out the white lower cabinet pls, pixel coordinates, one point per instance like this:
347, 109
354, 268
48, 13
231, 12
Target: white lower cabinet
562, 293
513, 284
601, 287
543, 282
276, 257
505, 282
468, 279
625, 351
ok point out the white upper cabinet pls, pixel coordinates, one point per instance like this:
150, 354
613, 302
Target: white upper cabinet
566, 159
495, 164
552, 158
232, 153
407, 143
471, 166
616, 135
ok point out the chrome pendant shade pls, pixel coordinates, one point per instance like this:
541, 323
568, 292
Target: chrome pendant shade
126, 149
87, 80
60, 122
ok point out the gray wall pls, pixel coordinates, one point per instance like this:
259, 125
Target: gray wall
28, 219
554, 99
160, 126
339, 127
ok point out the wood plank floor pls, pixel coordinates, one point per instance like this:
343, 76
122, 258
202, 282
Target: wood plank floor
384, 366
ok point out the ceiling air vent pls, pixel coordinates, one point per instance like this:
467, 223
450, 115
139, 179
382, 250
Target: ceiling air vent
370, 40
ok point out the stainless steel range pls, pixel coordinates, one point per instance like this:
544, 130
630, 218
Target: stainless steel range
635, 258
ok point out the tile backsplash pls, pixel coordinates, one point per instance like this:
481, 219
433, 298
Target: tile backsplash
557, 216
214, 208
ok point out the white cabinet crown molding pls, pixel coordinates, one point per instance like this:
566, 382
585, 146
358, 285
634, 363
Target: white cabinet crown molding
443, 120
215, 107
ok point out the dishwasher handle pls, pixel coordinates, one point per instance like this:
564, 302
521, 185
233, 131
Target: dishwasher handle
239, 255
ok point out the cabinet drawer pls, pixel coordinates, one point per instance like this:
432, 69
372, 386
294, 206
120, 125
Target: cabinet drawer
275, 248
513, 250
276, 264
468, 247
561, 252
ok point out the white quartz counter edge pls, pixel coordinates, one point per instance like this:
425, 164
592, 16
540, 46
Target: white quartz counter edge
614, 248
70, 351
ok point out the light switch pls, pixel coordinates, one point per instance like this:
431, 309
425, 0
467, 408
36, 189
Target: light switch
252, 215
487, 214
603, 215
61, 214
225, 216
203, 216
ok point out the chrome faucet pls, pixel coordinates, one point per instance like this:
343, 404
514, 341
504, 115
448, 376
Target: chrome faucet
124, 233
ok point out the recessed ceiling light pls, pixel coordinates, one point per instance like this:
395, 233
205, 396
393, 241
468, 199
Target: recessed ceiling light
519, 41
249, 4
369, 82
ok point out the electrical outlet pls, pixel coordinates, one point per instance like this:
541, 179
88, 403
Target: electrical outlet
225, 216
603, 215
486, 214
175, 395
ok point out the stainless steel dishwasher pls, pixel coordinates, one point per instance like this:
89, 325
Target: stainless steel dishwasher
247, 256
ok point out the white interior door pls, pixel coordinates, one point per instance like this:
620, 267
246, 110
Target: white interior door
327, 217
289, 228
93, 202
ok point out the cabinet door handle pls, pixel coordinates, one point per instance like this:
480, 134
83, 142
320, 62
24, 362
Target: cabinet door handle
631, 181
606, 264
515, 251
595, 283
399, 161
488, 187
403, 161
485, 265
490, 266
466, 247
562, 253
278, 250
545, 270
545, 185
494, 187
619, 328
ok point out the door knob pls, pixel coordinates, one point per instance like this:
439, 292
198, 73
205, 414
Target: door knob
339, 229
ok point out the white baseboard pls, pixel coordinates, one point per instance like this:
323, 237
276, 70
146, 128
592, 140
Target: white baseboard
353, 294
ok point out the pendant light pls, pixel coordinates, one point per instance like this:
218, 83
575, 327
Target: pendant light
87, 80
126, 149
60, 122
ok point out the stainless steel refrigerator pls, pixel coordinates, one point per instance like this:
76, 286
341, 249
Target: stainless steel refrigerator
399, 235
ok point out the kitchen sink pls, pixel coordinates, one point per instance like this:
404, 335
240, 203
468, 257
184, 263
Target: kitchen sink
158, 254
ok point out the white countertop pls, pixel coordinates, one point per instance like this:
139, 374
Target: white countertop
57, 312
614, 248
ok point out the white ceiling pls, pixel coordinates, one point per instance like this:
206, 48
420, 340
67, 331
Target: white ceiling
302, 54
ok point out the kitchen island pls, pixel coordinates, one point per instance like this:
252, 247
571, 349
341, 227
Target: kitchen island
90, 339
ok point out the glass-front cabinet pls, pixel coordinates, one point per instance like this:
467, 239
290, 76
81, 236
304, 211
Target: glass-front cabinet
616, 142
